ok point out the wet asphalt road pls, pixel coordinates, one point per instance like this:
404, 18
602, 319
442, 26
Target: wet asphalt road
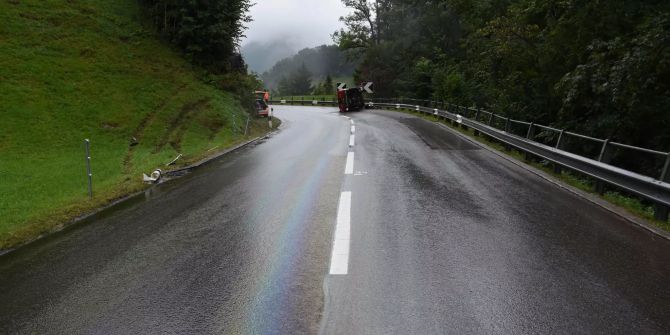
445, 238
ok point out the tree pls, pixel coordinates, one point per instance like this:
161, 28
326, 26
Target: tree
328, 87
618, 91
363, 25
284, 87
208, 31
301, 81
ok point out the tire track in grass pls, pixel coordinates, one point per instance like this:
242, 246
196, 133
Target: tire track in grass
178, 126
141, 127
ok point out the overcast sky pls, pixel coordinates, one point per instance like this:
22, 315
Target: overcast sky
306, 23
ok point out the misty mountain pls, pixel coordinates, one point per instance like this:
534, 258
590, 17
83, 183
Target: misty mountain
319, 61
261, 56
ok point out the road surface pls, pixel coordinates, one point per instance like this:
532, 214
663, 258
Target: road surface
402, 228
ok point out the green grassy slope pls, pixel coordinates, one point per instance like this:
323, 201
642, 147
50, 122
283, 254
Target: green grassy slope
76, 69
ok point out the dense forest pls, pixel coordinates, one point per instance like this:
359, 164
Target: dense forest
308, 71
595, 67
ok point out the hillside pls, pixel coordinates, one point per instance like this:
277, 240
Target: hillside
71, 70
320, 62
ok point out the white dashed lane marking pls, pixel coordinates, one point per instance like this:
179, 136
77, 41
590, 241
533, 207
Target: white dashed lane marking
339, 261
349, 167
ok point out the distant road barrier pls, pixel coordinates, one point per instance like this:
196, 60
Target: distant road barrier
502, 129
304, 101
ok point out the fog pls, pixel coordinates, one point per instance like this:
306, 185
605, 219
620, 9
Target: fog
282, 27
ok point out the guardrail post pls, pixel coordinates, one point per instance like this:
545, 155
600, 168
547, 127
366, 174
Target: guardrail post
666, 166
559, 143
491, 119
464, 112
89, 175
531, 133
450, 109
508, 148
477, 115
455, 110
661, 212
603, 150
526, 155
558, 169
600, 186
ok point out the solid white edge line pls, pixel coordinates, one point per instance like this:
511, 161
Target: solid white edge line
352, 140
349, 167
339, 261
353, 129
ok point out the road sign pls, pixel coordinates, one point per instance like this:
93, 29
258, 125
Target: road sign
367, 87
341, 86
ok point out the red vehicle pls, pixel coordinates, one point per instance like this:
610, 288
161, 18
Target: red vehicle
350, 100
262, 107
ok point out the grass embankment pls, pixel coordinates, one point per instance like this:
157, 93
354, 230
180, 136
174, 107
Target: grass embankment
633, 205
71, 70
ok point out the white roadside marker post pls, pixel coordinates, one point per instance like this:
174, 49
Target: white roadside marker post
87, 144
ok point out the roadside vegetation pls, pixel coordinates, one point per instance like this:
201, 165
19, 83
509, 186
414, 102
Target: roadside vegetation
99, 70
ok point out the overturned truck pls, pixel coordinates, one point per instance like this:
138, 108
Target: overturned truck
351, 99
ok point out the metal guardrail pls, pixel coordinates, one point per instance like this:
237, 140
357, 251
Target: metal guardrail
305, 102
655, 190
